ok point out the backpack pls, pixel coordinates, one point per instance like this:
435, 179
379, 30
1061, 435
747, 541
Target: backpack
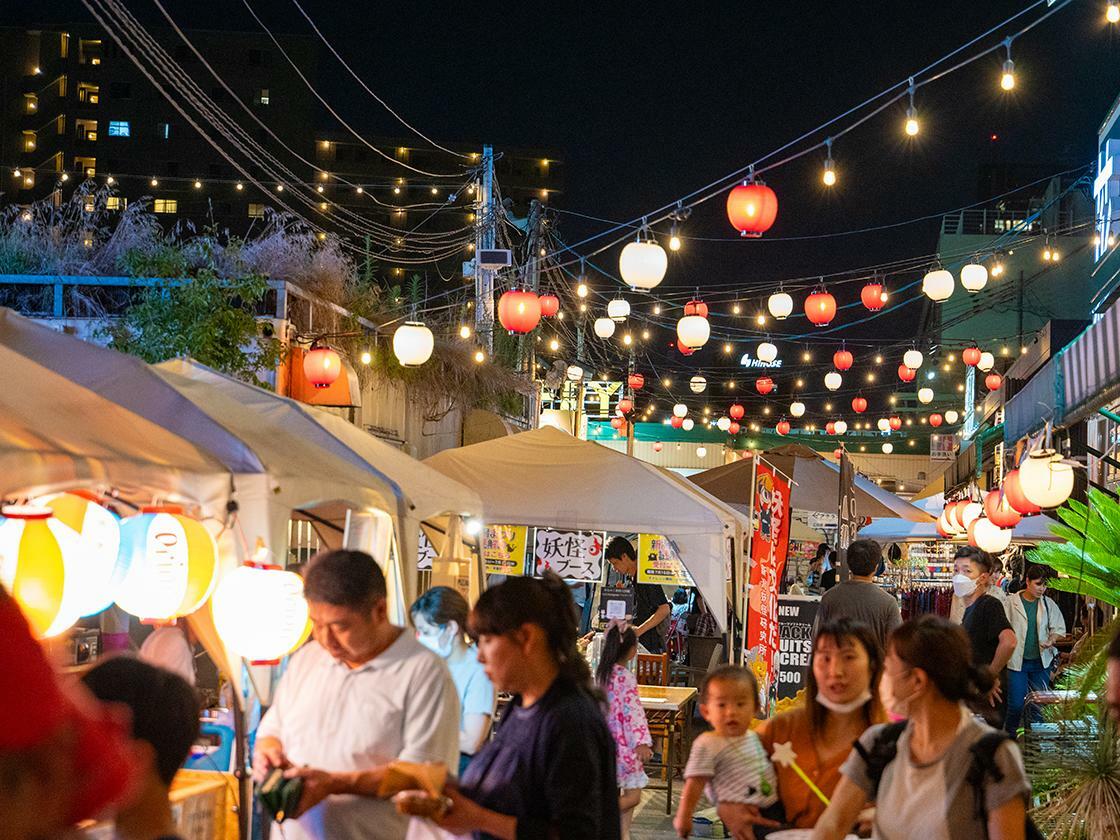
884, 749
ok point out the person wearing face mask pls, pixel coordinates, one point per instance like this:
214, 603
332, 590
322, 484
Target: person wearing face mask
843, 701
440, 619
939, 773
1038, 623
985, 621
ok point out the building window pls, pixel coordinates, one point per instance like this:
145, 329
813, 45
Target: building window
163, 131
120, 90
256, 211
89, 51
166, 205
88, 93
30, 103
116, 202
262, 96
62, 86
119, 128
86, 129
29, 141
86, 165
64, 46
89, 202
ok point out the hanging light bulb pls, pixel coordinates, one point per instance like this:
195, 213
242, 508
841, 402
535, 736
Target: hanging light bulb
912, 126
829, 174
1112, 13
1007, 78
674, 238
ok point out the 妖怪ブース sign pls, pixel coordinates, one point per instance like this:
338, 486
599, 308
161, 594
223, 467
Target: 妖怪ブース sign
574, 555
658, 562
503, 549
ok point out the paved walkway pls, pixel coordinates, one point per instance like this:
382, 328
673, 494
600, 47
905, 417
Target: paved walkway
650, 821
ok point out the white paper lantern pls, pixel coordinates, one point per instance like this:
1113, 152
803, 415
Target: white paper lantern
974, 277
697, 384
100, 532
701, 452
832, 380
947, 524
969, 513
938, 285
604, 327
260, 614
618, 310
925, 396
413, 344
766, 352
693, 331
951, 416
884, 424
688, 424
680, 410
797, 409
643, 265
888, 448
1044, 479
990, 537
913, 359
723, 424
575, 373
840, 427
987, 361
780, 305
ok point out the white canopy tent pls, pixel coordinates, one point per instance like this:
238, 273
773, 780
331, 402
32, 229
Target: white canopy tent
1030, 530
546, 477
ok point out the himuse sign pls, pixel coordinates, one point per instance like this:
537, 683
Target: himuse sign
749, 361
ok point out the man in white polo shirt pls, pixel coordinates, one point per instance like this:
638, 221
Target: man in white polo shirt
361, 695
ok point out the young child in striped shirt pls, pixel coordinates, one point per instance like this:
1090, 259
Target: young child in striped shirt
729, 764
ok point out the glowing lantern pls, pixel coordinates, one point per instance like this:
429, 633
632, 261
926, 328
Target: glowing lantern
925, 396
797, 409
550, 305
604, 327
968, 512
820, 308
44, 566
888, 448
987, 361
636, 381
1045, 480
764, 385
734, 428
685, 351
643, 264
938, 285
997, 507
780, 305
830, 428
936, 420
100, 532
832, 380
974, 277
993, 381
696, 307
723, 424
701, 451
942, 531
680, 410
173, 564
842, 359
841, 427
736, 411
971, 356
575, 373
859, 405
951, 416
906, 374
1013, 492
618, 310
657, 446
616, 423
413, 344
321, 366
752, 208
913, 359
990, 537
782, 427
697, 384
873, 296
895, 422
766, 352
519, 312
693, 331
676, 422
884, 424
688, 424
945, 523
625, 405
838, 453
260, 613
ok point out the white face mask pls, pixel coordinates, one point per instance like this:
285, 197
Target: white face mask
963, 585
899, 707
844, 708
440, 644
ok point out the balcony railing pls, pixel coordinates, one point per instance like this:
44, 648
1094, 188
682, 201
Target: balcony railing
996, 222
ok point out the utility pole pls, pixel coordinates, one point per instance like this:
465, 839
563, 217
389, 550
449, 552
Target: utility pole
532, 281
484, 238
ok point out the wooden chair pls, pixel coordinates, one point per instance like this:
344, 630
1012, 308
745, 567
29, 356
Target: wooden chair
653, 669
705, 653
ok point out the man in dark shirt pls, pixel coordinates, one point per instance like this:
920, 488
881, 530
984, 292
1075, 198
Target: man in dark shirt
651, 608
861, 599
985, 621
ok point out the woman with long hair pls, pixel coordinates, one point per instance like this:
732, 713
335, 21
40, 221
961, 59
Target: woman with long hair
549, 772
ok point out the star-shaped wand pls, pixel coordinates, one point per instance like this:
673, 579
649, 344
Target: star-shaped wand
784, 755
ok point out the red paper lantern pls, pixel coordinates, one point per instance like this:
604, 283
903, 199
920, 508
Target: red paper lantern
519, 312
657, 446
736, 411
820, 308
321, 366
993, 381
941, 532
842, 359
906, 374
873, 296
998, 509
734, 428
625, 405
859, 405
1014, 494
830, 427
752, 208
696, 307
972, 532
676, 422
685, 350
550, 305
971, 356
764, 385
936, 420
782, 427
616, 423
636, 381
896, 422
838, 453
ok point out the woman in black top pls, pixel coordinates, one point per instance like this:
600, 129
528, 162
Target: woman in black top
549, 772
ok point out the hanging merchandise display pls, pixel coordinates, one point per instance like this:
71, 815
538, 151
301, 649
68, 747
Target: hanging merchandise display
100, 532
832, 380
604, 327
550, 305
842, 359
820, 308
172, 564
519, 311
413, 344
971, 356
780, 305
938, 285
873, 296
764, 385
260, 613
906, 374
797, 409
697, 384
1045, 479
736, 411
859, 404
766, 352
321, 365
974, 277
913, 359
618, 310
752, 208
642, 264
987, 361
45, 566
997, 507
693, 331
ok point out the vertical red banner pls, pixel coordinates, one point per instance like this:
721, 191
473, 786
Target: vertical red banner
769, 544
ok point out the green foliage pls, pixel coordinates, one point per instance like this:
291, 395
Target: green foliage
206, 318
162, 260
1089, 555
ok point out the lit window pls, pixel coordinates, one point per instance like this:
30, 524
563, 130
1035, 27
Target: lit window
262, 97
88, 203
119, 128
163, 131
166, 205
30, 103
116, 202
256, 211
29, 141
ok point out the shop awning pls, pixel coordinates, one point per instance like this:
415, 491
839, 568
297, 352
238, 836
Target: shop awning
1030, 530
